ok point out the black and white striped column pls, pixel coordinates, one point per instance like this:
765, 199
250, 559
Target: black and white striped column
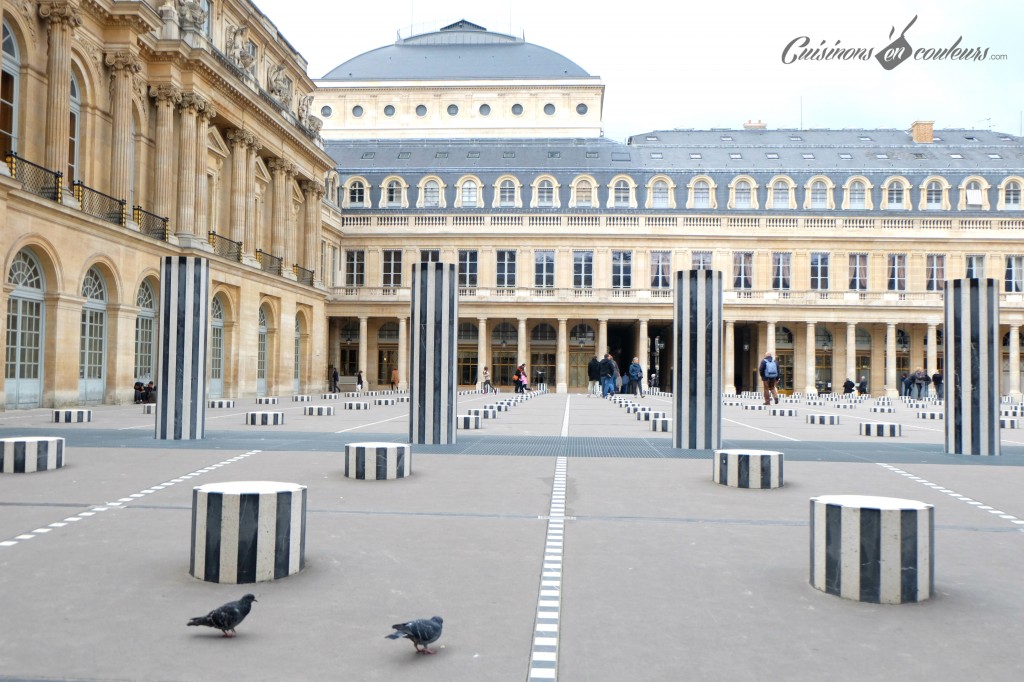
761, 469
971, 352
181, 358
378, 461
26, 454
247, 531
697, 351
432, 384
873, 549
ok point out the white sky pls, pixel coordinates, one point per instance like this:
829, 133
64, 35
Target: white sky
672, 63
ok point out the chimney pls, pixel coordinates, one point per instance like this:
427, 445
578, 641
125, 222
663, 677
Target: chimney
751, 125
922, 132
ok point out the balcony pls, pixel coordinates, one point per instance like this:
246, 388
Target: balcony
100, 205
36, 179
269, 262
150, 224
302, 275
226, 248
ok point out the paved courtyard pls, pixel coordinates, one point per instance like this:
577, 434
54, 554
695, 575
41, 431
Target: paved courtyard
665, 575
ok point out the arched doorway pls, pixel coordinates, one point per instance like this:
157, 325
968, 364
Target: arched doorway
23, 372
581, 351
504, 342
93, 339
145, 333
543, 344
297, 367
261, 352
216, 382
387, 352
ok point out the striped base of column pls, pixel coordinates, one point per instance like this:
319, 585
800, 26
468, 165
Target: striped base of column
650, 415
498, 407
1008, 422
248, 531
353, 394
1011, 412
354, 405
663, 424
27, 454
873, 549
262, 418
845, 406
814, 403
761, 469
402, 398
220, 403
883, 409
732, 403
149, 408
883, 429
791, 401
829, 419
72, 416
266, 400
782, 412
318, 410
378, 461
755, 407
931, 415
635, 409
302, 398
468, 421
385, 401
330, 396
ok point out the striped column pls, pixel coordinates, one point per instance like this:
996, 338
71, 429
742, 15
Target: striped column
181, 359
247, 531
432, 384
971, 353
26, 454
761, 469
873, 549
697, 350
378, 461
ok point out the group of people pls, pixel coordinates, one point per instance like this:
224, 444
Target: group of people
336, 380
145, 393
605, 379
861, 387
915, 384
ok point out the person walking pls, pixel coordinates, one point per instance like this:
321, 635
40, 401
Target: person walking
335, 378
485, 381
607, 376
768, 370
921, 381
862, 387
937, 384
593, 377
907, 383
359, 381
848, 386
394, 377
636, 376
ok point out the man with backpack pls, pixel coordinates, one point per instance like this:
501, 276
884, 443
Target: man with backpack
636, 376
769, 372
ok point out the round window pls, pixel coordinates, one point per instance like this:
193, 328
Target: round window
326, 112
517, 109
485, 109
389, 111
421, 110
357, 111
453, 110
549, 109
581, 109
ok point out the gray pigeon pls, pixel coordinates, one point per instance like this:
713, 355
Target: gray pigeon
226, 618
421, 631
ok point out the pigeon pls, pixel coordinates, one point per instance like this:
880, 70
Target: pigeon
421, 631
226, 618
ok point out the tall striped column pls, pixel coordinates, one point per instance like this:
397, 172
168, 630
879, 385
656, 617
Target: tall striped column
181, 359
697, 350
971, 352
432, 384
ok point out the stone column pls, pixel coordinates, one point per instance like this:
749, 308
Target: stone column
204, 115
1014, 388
851, 352
522, 349
184, 227
249, 242
643, 347
123, 67
809, 358
313, 193
281, 172
891, 389
602, 337
697, 354
61, 18
562, 358
931, 363
181, 359
482, 357
333, 345
972, 354
729, 358
769, 339
363, 350
403, 353
435, 317
238, 140
167, 98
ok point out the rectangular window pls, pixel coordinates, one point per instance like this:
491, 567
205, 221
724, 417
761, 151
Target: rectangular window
582, 269
935, 271
431, 195
544, 269
897, 272
430, 255
743, 270
334, 265
469, 194
895, 195
701, 260
780, 195
546, 194
144, 347
622, 269
1012, 195
467, 269
857, 196
701, 195
506, 270
621, 194
659, 195
661, 268
356, 194
743, 196
782, 269
1014, 274
819, 195
392, 268
8, 134
975, 266
858, 272
819, 271
933, 196
507, 194
584, 195
355, 268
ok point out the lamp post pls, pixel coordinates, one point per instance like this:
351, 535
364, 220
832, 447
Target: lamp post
658, 346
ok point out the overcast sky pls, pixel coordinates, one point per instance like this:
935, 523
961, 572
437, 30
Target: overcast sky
673, 64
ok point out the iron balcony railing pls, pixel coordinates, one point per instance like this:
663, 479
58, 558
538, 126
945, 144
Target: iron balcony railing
150, 224
269, 262
302, 275
36, 179
228, 248
100, 205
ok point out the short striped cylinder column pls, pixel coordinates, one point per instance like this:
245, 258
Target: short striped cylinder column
148, 408
378, 461
330, 396
498, 407
384, 401
247, 531
697, 351
356, 405
972, 356
318, 410
74, 416
27, 454
468, 421
782, 412
845, 406
266, 400
353, 394
650, 415
302, 398
220, 403
1008, 422
402, 398
433, 341
829, 419
881, 429
761, 469
663, 424
873, 549
729, 402
930, 415
882, 409
634, 409
814, 403
264, 418
755, 407
181, 348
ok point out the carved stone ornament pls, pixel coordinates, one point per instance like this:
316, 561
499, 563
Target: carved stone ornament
279, 85
59, 13
235, 45
165, 93
122, 62
191, 13
315, 124
305, 102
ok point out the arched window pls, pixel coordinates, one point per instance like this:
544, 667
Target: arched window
431, 194
744, 195
468, 332
507, 194
394, 194
1011, 197
544, 333
25, 320
659, 194
819, 194
780, 195
621, 194
9, 92
73, 134
145, 325
975, 198
262, 332
584, 194
581, 335
504, 334
783, 337
207, 7
469, 194
933, 196
895, 195
216, 348
93, 338
297, 364
545, 194
858, 195
388, 333
357, 194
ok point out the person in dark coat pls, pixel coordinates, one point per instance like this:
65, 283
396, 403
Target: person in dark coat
848, 386
594, 377
908, 385
862, 387
607, 376
937, 384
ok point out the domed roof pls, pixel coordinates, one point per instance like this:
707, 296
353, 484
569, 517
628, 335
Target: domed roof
462, 50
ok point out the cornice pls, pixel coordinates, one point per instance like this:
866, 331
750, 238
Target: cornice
140, 16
